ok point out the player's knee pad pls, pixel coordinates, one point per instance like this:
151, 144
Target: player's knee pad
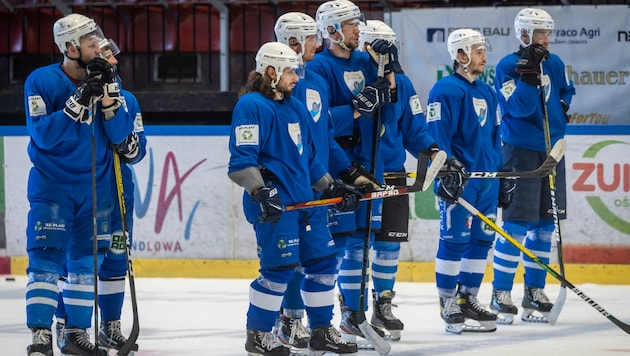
84, 264
354, 254
386, 246
276, 279
322, 270
542, 231
516, 228
46, 260
44, 277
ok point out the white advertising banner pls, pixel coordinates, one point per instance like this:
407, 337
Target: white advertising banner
186, 207
593, 42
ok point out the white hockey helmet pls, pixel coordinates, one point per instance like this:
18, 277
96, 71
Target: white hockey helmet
464, 39
372, 30
277, 55
530, 19
72, 27
333, 13
295, 24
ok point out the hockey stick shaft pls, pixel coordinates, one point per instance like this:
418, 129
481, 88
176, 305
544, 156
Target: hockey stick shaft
135, 328
559, 304
563, 281
94, 223
543, 170
419, 185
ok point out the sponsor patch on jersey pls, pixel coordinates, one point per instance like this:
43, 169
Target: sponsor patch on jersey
434, 111
36, 105
415, 105
314, 104
481, 109
507, 89
246, 135
355, 81
296, 136
138, 123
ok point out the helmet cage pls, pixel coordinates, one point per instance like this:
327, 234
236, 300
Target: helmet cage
530, 19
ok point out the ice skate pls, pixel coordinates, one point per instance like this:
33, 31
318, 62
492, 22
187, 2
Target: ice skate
328, 339
382, 316
60, 326
76, 342
503, 307
292, 333
42, 343
478, 318
264, 343
111, 338
349, 327
452, 315
536, 306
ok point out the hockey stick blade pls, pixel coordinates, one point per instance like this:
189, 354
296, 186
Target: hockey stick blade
543, 170
564, 282
417, 186
380, 345
433, 170
557, 306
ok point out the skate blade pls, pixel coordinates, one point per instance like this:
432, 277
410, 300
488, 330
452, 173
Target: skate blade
294, 351
454, 328
362, 343
534, 316
321, 353
477, 326
504, 318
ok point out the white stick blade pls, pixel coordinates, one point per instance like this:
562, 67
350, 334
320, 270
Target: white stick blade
558, 150
436, 164
557, 306
380, 345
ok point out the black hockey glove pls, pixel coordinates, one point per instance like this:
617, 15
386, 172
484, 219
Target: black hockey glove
351, 195
270, 205
507, 186
128, 149
359, 176
565, 109
100, 65
528, 64
389, 51
77, 106
372, 97
451, 187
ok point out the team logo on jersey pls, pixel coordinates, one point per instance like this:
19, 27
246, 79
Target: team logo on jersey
481, 109
314, 104
546, 84
296, 136
355, 81
246, 135
507, 89
415, 105
36, 105
434, 111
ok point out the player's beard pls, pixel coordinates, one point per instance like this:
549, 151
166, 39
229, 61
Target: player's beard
285, 89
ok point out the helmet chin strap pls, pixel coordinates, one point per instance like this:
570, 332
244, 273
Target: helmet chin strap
79, 60
465, 68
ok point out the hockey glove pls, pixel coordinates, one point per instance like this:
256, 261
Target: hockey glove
270, 205
372, 97
77, 106
128, 149
359, 176
507, 186
451, 187
528, 64
565, 109
351, 195
389, 51
100, 65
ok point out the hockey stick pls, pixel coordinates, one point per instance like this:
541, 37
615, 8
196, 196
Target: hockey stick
129, 345
418, 186
94, 224
543, 170
553, 315
565, 283
380, 345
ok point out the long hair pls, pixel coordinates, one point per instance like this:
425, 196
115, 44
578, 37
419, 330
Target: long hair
257, 82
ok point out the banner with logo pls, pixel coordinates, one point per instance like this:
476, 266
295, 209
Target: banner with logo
186, 206
593, 42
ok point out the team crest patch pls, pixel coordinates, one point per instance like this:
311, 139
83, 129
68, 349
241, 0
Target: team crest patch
507, 89
481, 109
36, 105
314, 104
246, 135
296, 136
434, 111
415, 105
355, 81
546, 84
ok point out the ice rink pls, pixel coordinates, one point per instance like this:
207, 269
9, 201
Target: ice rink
207, 317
